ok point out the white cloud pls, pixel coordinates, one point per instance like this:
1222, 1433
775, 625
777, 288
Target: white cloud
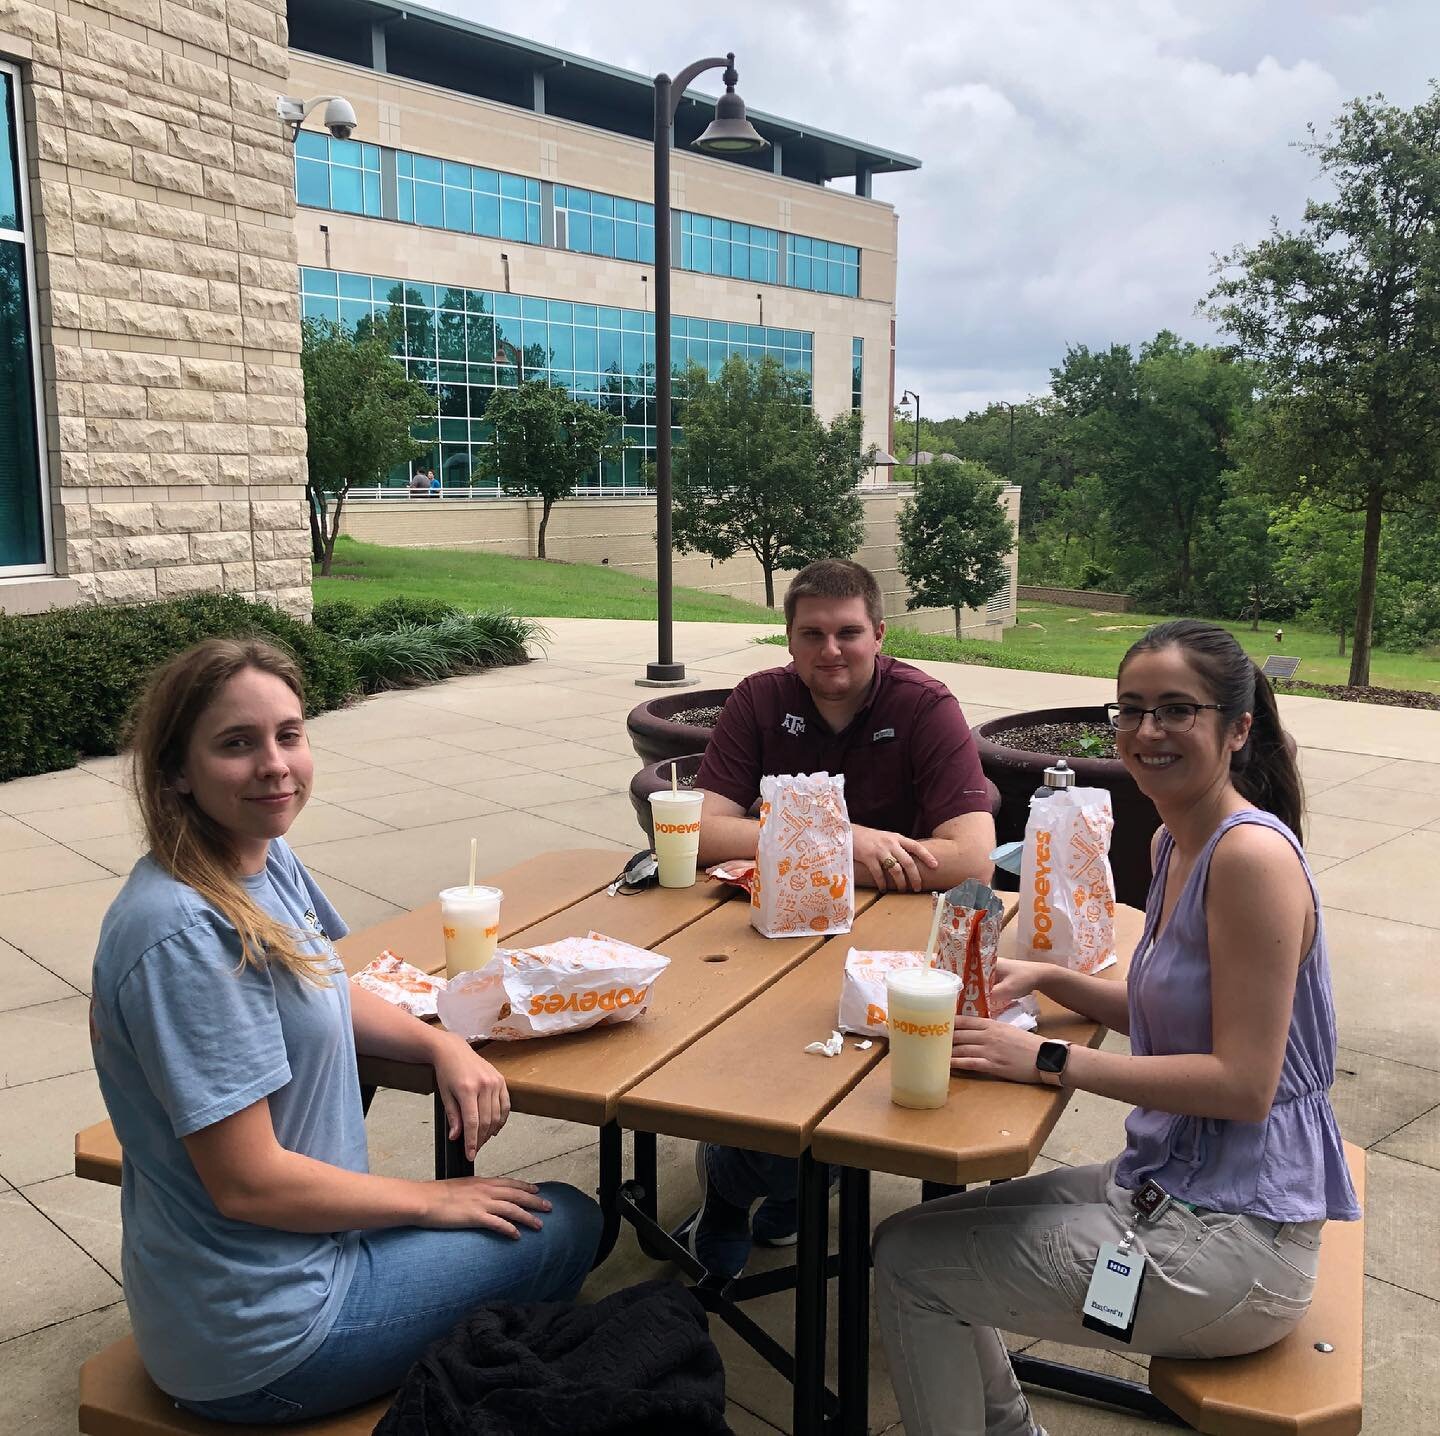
1083, 159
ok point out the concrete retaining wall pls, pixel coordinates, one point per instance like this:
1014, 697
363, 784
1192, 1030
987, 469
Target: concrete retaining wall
1077, 598
621, 534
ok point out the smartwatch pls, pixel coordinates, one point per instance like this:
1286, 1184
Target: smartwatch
1050, 1061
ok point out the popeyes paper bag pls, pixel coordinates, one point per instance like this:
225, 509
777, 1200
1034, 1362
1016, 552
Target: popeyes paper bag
563, 986
863, 1001
971, 917
1067, 892
401, 985
804, 867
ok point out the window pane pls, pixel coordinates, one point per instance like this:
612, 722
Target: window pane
345, 192
427, 168
512, 219
312, 184
512, 186
318, 281
309, 143
487, 215
22, 529
372, 193
457, 209
318, 306
626, 245
429, 207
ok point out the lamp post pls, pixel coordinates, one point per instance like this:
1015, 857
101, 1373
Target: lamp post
911, 397
1010, 458
729, 133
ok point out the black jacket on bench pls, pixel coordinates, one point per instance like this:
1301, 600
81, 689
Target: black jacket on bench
638, 1362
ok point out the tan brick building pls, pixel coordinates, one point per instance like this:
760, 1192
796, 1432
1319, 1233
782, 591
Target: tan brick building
154, 400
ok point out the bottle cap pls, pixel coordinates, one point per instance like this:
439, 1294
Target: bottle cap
1060, 776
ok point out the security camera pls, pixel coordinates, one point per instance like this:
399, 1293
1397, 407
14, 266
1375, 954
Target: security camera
340, 118
339, 114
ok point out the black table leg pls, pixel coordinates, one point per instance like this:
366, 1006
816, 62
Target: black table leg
608, 1190
450, 1158
813, 1204
933, 1191
854, 1343
367, 1096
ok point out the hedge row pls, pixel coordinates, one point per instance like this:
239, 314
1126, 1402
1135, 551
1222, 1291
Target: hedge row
69, 677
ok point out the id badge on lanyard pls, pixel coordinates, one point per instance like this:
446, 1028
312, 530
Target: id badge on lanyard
1114, 1290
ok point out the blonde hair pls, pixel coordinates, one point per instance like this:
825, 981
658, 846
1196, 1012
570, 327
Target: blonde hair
189, 844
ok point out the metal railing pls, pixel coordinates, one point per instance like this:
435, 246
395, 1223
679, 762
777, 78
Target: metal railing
405, 495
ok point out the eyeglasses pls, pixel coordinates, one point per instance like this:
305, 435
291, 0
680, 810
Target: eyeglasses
1172, 717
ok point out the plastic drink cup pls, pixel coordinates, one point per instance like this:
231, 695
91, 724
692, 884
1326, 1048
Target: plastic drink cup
677, 835
471, 919
921, 1020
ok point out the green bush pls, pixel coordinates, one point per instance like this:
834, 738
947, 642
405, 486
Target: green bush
461, 643
70, 676
345, 619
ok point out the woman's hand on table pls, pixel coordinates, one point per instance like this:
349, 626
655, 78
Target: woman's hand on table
472, 1092
1017, 978
994, 1049
497, 1204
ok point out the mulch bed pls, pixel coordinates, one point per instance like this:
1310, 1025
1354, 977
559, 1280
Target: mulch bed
1346, 693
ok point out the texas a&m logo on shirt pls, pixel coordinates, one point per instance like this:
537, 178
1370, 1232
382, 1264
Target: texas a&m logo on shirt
793, 724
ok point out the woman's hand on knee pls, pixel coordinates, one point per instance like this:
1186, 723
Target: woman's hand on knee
496, 1204
474, 1095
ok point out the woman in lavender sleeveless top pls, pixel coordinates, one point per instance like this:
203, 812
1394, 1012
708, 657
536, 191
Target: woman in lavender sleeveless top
1231, 1022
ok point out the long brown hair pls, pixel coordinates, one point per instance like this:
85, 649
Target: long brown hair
1263, 771
190, 845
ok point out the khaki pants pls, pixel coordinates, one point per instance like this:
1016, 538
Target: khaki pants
1019, 1255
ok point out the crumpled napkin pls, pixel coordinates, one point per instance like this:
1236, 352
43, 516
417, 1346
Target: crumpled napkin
829, 1048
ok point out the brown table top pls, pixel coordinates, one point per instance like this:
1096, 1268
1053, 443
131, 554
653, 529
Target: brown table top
718, 963
987, 1129
750, 1082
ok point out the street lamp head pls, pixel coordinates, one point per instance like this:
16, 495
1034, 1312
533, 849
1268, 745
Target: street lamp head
730, 133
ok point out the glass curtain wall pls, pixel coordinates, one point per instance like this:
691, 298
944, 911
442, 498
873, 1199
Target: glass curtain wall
382, 183
24, 537
463, 344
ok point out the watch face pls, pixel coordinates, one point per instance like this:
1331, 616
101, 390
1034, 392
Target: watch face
1051, 1057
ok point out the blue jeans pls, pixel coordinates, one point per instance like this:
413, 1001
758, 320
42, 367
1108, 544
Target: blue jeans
410, 1287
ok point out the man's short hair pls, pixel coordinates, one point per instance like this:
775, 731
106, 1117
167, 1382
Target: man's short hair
835, 578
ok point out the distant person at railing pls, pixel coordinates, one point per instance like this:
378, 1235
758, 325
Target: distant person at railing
419, 484
434, 485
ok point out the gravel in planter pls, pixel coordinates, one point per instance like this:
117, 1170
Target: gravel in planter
697, 717
1069, 740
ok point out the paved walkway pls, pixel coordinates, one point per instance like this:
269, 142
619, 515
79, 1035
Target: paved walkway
537, 758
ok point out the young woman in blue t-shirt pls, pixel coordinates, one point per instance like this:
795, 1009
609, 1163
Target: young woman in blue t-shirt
1233, 1160
270, 1276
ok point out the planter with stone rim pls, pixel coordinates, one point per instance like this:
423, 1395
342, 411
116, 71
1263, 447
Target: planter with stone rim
658, 737
1017, 772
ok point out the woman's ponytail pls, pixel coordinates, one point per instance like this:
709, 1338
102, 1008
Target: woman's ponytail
1264, 770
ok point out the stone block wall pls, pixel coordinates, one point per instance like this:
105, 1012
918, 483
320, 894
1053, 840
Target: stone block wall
1077, 597
161, 191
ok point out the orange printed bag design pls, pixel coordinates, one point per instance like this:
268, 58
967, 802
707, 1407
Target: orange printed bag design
804, 865
1067, 891
971, 920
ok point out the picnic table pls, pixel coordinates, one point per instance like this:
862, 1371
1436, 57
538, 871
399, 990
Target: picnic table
719, 1057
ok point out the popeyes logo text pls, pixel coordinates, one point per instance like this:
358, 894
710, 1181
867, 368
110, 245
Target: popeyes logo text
452, 933
678, 827
876, 1016
1042, 920
610, 999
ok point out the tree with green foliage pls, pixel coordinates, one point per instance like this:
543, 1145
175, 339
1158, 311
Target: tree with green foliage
1344, 317
760, 473
1158, 430
954, 538
546, 442
1321, 556
1239, 562
359, 409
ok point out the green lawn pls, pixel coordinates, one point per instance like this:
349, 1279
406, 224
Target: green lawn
1052, 639
367, 573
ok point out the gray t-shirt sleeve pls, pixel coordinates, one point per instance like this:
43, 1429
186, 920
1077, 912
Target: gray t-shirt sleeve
205, 1029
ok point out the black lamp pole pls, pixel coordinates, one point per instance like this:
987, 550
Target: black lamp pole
729, 133
911, 397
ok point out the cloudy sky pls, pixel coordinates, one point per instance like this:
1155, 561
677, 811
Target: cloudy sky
1083, 159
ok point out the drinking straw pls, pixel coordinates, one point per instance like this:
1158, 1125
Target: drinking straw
474, 844
674, 778
934, 937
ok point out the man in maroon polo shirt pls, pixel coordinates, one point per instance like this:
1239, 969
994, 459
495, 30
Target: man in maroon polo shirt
917, 799
919, 814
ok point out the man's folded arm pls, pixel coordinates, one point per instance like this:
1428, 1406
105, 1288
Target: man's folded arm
725, 831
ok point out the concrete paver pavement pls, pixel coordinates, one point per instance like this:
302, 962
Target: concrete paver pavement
535, 758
